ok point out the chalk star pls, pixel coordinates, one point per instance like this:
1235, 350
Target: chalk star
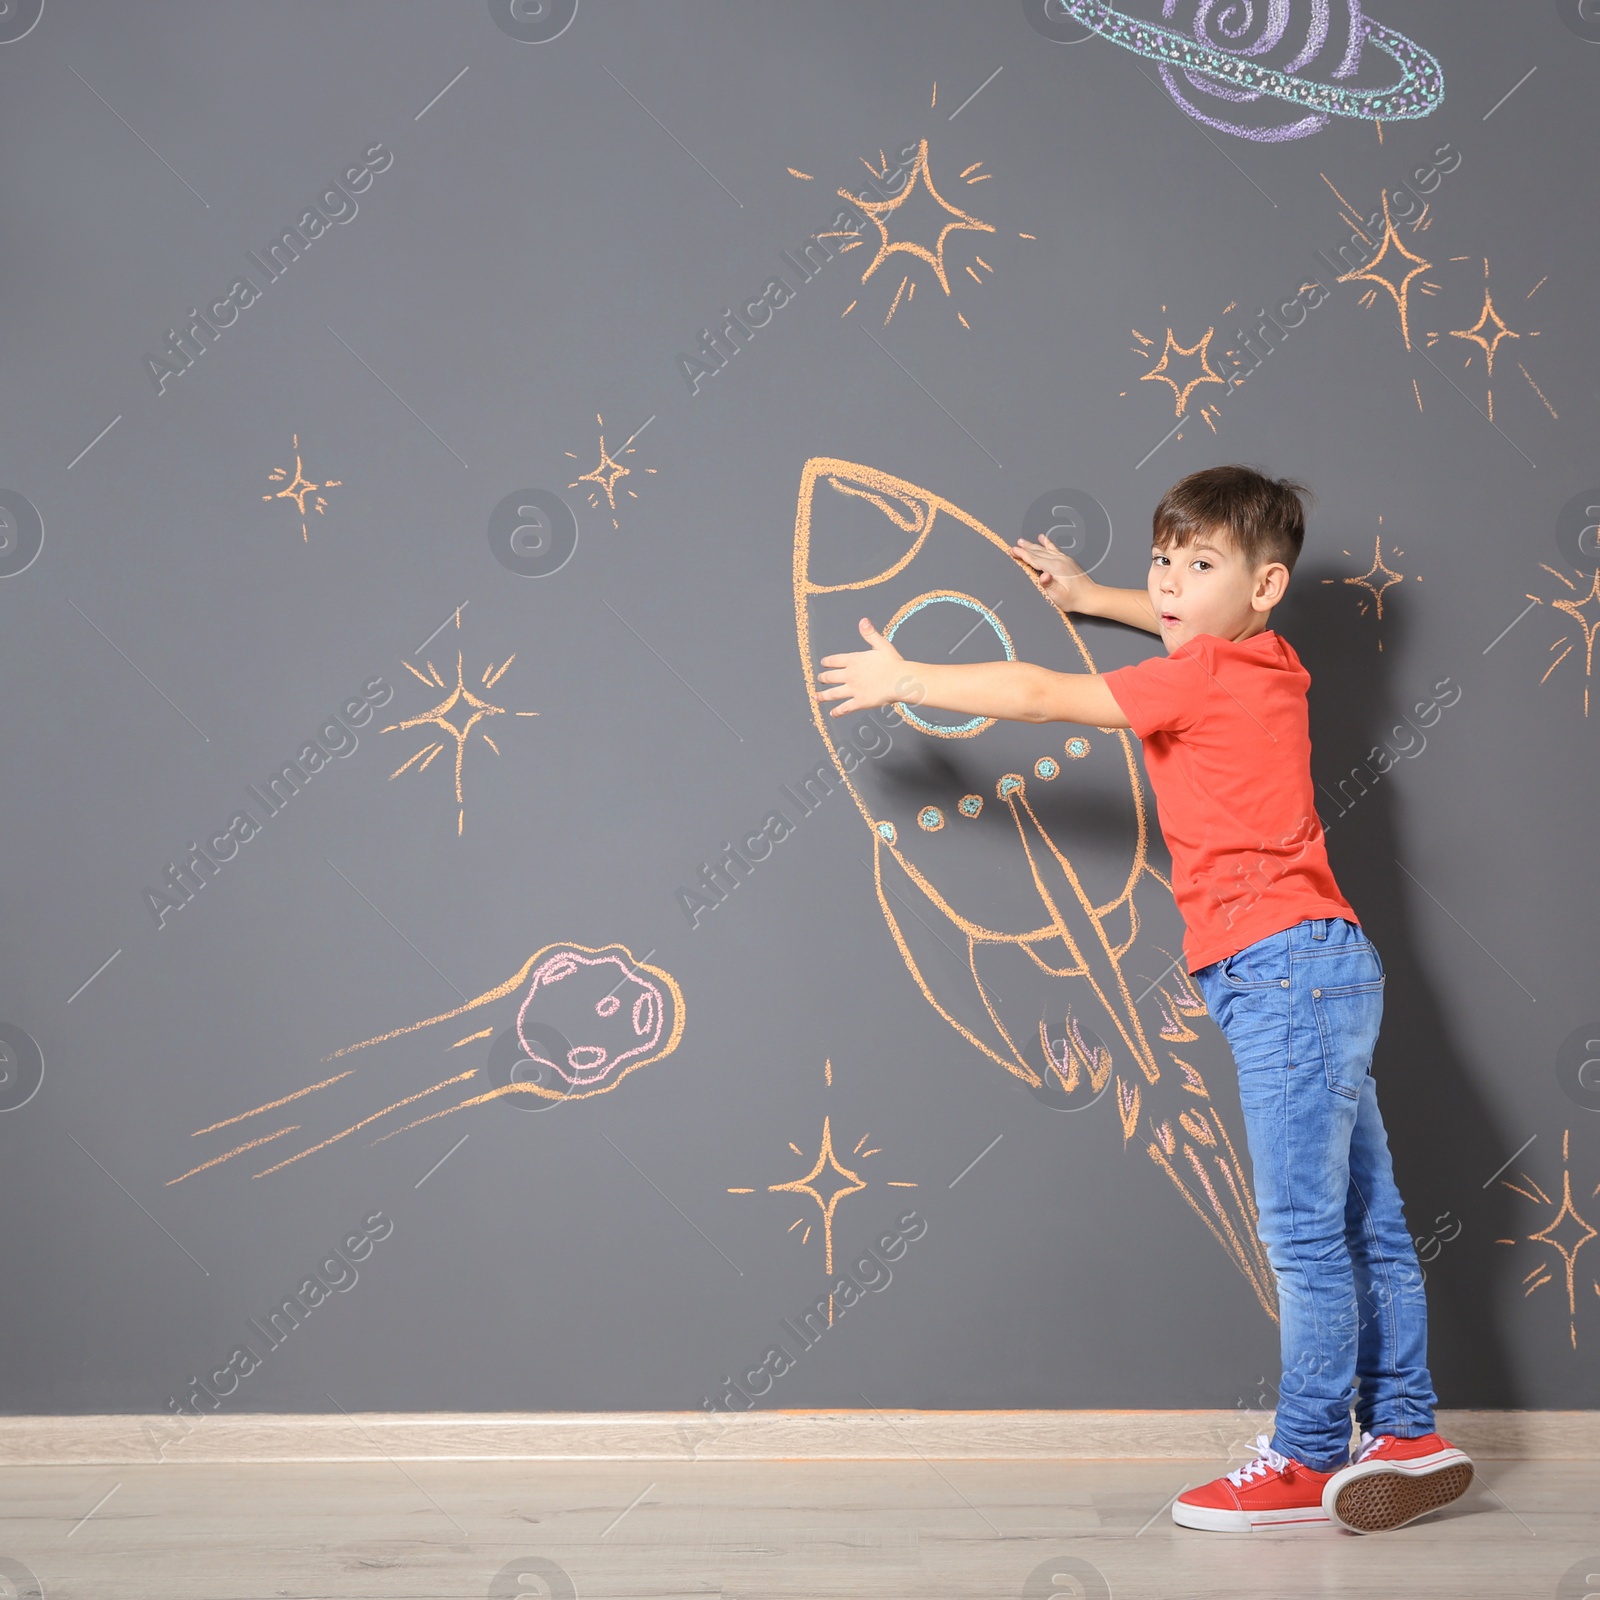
605, 473
878, 210
477, 709
1580, 1232
1567, 1222
828, 1182
1574, 1225
1173, 348
1366, 580
1577, 609
1489, 317
298, 488
609, 471
849, 1183
1401, 291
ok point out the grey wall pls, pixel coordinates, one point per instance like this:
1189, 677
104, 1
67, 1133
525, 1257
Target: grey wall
545, 243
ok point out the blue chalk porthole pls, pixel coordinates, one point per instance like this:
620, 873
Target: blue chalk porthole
1046, 767
973, 725
1077, 747
1009, 785
970, 805
930, 819
886, 832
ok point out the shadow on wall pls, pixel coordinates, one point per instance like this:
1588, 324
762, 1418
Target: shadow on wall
1443, 1140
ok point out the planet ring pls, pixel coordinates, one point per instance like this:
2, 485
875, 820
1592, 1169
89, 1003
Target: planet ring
1419, 92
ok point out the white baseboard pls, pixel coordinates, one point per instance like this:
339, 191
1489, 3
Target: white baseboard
744, 1436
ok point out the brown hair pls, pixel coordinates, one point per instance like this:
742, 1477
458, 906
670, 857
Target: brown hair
1264, 517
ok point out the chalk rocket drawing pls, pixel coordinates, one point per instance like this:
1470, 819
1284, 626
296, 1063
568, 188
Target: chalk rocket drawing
1566, 1233
1240, 73
611, 1013
1047, 965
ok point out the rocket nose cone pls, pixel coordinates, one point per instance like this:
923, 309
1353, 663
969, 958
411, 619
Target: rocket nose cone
855, 526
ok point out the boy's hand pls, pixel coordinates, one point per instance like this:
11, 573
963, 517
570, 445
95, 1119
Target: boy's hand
868, 678
1061, 580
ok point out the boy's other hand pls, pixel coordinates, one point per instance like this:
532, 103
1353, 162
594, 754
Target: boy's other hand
1061, 580
865, 679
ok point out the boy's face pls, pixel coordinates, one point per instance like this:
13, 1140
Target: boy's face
1207, 586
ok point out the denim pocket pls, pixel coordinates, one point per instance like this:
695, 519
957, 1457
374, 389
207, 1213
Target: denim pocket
1348, 1016
1263, 965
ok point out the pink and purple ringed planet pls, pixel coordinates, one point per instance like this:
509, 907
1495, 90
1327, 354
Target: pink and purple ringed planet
1214, 60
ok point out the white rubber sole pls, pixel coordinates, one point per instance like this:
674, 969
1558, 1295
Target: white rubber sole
1216, 1519
1375, 1496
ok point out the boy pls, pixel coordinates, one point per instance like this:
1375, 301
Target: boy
1285, 969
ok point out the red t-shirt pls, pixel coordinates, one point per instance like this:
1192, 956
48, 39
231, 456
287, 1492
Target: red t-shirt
1228, 748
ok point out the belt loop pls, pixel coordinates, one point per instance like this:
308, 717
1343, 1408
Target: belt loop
1319, 928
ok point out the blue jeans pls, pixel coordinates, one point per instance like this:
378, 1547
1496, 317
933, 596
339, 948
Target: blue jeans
1300, 1010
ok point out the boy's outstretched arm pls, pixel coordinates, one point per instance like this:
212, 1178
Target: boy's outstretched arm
1016, 691
1068, 587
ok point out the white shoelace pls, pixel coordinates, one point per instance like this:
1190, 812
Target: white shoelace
1368, 1445
1267, 1460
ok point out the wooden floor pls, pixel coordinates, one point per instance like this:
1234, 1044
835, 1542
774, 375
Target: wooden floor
808, 1530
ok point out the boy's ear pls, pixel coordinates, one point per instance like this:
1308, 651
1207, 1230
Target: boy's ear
1271, 582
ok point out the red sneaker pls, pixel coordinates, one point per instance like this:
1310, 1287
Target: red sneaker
1273, 1491
1394, 1481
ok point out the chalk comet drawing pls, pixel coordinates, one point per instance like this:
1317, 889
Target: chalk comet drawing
1048, 965
615, 1014
1316, 49
640, 1034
